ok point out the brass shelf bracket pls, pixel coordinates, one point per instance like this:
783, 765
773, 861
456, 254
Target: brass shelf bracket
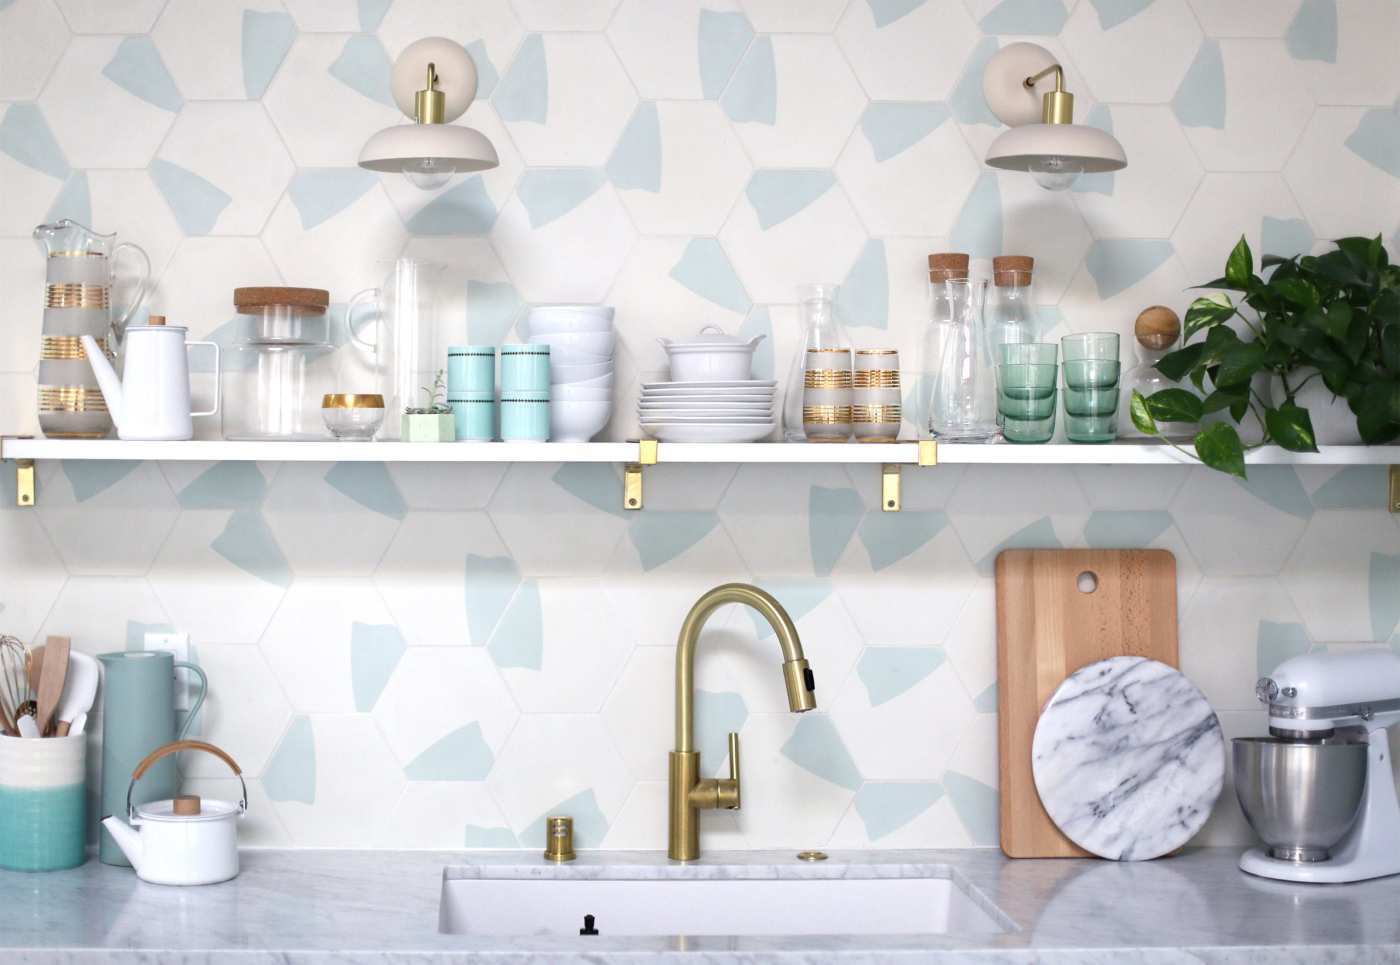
928, 452
632, 474
24, 475
889, 487
1392, 498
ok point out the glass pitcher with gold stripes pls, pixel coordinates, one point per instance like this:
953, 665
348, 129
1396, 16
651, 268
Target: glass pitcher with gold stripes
80, 277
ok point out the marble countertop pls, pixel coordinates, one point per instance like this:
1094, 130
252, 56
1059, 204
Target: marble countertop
382, 907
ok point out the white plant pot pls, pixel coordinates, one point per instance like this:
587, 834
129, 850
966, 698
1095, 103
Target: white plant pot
1333, 422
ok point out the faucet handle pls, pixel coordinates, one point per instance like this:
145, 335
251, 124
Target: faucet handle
729, 789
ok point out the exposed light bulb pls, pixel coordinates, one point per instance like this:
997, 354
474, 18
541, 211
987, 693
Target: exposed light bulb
426, 173
1055, 173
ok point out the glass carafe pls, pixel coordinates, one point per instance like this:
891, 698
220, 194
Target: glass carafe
822, 332
1155, 334
406, 345
79, 278
1011, 302
961, 363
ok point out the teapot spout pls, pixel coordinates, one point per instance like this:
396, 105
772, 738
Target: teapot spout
107, 380
127, 838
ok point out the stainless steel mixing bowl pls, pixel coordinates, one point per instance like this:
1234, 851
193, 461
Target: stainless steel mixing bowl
1301, 797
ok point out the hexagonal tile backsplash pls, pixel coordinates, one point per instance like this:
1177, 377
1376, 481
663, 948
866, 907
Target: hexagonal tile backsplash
440, 656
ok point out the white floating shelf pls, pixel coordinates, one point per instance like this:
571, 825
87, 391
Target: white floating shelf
899, 453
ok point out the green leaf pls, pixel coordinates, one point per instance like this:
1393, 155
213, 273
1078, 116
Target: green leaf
1239, 408
1176, 364
1386, 308
1239, 364
1296, 290
1222, 399
1174, 405
1358, 331
1239, 267
1223, 283
1390, 348
1291, 427
1206, 311
1219, 447
1275, 261
1142, 418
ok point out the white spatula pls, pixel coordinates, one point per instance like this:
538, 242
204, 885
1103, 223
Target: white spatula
79, 691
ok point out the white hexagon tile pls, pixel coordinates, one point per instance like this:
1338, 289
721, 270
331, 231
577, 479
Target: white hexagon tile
426, 655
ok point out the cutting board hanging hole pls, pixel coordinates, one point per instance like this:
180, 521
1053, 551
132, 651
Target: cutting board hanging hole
1088, 581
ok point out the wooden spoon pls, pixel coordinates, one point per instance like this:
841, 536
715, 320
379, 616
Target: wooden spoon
50, 689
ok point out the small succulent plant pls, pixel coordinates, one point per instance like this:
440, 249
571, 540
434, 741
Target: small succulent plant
435, 398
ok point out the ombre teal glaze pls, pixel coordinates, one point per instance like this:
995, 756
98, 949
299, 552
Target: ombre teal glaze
42, 828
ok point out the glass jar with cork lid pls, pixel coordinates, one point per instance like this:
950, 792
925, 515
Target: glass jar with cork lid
1155, 333
280, 365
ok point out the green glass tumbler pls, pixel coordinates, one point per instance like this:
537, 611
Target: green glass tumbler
1091, 373
1091, 414
1029, 353
1033, 429
1026, 401
1090, 345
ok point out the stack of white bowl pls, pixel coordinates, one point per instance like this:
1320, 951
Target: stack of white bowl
581, 342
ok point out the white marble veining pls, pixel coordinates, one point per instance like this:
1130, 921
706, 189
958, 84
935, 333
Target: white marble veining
381, 908
1128, 758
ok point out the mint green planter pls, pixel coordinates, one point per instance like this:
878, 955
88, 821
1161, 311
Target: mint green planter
431, 427
43, 803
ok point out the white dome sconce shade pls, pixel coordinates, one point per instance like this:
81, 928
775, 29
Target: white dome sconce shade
1043, 140
434, 82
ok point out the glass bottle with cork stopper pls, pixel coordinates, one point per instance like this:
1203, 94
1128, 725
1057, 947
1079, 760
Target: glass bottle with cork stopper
1011, 307
959, 363
1155, 332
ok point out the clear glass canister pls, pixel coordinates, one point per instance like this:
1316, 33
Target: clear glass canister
961, 363
1155, 334
279, 366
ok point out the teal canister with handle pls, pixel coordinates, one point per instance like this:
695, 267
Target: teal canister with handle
138, 715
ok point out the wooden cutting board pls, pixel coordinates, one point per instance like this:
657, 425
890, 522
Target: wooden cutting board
1047, 628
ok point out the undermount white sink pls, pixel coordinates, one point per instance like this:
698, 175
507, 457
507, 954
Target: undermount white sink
497, 904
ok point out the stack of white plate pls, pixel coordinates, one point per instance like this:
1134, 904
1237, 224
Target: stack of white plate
581, 342
737, 411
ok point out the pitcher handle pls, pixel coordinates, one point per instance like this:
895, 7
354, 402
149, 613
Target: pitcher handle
198, 701
119, 325
350, 320
218, 380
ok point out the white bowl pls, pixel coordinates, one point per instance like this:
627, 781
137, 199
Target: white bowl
581, 393
562, 372
575, 421
579, 343
604, 381
551, 319
716, 365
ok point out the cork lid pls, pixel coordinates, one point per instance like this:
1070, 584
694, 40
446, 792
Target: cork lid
155, 320
185, 805
1012, 269
947, 265
309, 301
1157, 328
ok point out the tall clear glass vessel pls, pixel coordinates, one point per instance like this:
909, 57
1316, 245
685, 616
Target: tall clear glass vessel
822, 331
962, 364
1011, 302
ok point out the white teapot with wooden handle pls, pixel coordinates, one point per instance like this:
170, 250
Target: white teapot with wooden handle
151, 401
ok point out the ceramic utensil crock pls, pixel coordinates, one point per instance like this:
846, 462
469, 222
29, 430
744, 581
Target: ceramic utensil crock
185, 840
43, 803
151, 400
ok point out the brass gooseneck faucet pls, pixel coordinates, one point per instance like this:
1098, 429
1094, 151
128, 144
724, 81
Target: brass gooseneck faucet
689, 792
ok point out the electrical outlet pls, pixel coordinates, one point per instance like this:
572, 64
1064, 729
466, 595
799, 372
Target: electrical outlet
179, 645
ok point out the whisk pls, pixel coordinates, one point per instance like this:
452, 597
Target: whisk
14, 682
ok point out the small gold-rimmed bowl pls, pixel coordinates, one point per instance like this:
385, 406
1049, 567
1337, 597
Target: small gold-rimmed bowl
353, 417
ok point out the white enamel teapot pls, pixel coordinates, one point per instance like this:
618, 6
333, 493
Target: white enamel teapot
184, 840
152, 398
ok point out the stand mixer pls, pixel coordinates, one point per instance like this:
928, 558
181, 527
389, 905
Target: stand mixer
1320, 791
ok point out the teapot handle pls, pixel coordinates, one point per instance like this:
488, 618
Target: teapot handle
119, 324
218, 380
184, 745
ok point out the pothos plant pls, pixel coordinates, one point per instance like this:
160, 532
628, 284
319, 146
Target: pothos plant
1334, 317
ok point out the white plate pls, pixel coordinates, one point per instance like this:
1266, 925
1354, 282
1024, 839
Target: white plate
750, 384
710, 406
744, 395
673, 432
707, 420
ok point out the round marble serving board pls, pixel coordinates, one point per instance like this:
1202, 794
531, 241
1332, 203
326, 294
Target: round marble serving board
1128, 758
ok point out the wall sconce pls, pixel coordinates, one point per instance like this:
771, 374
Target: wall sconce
434, 82
1043, 138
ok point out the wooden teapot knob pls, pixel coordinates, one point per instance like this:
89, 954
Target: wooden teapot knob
186, 805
